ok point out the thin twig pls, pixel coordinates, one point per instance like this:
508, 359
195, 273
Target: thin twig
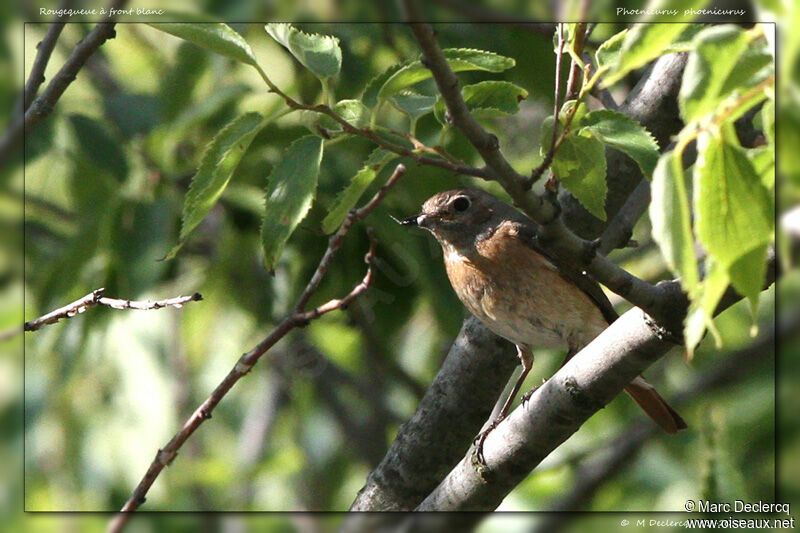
299, 318
96, 298
548, 158
43, 105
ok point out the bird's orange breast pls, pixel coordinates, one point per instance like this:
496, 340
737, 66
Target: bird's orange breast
520, 295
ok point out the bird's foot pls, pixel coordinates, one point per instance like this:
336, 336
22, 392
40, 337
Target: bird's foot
527, 395
478, 456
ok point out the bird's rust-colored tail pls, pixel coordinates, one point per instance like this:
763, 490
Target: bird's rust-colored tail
655, 406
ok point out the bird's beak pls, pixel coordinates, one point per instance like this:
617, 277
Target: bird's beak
410, 221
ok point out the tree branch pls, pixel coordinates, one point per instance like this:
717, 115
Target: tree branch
96, 298
43, 51
43, 105
298, 318
619, 231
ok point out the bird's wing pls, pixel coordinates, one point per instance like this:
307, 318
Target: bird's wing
528, 235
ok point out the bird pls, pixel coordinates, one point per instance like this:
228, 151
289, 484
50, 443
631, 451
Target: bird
504, 277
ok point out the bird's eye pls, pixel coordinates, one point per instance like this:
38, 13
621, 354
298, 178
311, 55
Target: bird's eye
461, 203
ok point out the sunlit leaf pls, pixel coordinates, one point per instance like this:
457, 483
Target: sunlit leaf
459, 59
671, 218
215, 36
318, 53
625, 134
734, 210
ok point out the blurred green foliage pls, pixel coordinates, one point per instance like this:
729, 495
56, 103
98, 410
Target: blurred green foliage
105, 178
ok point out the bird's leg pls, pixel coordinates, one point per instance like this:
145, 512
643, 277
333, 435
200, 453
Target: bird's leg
526, 358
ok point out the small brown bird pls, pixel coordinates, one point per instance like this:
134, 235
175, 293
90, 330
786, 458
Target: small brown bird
506, 280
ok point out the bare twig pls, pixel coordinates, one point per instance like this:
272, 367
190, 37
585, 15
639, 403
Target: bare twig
299, 318
43, 105
548, 158
96, 298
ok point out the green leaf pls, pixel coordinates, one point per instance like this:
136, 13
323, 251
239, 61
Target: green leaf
292, 187
607, 53
459, 59
217, 37
353, 111
733, 208
413, 104
217, 165
763, 159
318, 53
645, 42
747, 275
347, 198
501, 96
580, 165
701, 310
370, 95
625, 134
718, 50
488, 99
671, 219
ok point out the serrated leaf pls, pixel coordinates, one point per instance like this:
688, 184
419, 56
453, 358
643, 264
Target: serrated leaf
502, 96
353, 111
487, 99
733, 209
607, 54
347, 198
625, 134
370, 95
318, 53
718, 50
219, 161
580, 166
459, 59
216, 36
290, 192
413, 104
671, 219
